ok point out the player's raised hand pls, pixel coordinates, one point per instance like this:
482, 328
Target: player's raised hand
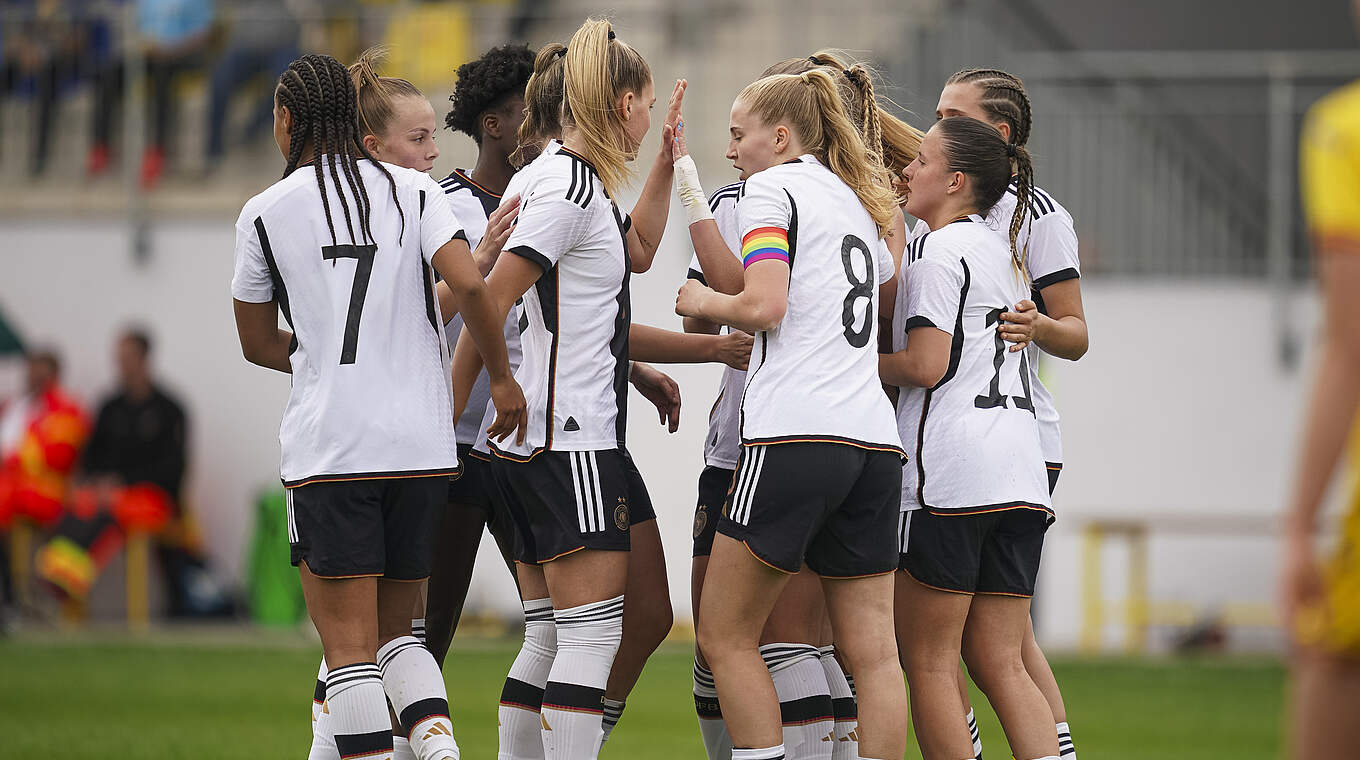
512, 415
660, 389
673, 119
1018, 326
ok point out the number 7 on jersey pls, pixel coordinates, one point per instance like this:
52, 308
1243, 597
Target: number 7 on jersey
364, 254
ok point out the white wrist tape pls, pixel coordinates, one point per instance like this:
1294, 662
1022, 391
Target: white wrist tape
691, 192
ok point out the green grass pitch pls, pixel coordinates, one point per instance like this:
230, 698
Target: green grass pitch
77, 699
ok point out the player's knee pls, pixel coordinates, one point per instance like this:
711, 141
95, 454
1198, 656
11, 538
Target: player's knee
995, 672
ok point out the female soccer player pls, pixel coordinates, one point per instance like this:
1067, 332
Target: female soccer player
1052, 319
571, 482
975, 497
363, 454
820, 467
488, 106
793, 641
647, 614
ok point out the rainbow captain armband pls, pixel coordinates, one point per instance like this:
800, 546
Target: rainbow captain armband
764, 244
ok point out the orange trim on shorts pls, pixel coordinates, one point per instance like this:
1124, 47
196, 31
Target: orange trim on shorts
763, 562
856, 577
966, 513
936, 588
560, 556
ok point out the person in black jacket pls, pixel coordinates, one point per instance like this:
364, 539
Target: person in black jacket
140, 437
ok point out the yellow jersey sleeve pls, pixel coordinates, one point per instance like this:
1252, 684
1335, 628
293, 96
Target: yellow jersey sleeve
1329, 163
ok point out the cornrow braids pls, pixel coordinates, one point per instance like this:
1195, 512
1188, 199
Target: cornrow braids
870, 127
321, 99
1003, 96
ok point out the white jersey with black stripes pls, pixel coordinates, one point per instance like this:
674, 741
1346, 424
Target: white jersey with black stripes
370, 391
723, 444
515, 321
814, 376
473, 205
973, 440
1049, 239
574, 370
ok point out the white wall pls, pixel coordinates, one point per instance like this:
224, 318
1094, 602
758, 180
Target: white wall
1178, 408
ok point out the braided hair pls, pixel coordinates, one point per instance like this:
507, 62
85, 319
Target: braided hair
320, 96
977, 149
1003, 97
486, 84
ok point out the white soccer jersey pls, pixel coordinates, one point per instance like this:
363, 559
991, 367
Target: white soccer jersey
473, 204
974, 435
814, 377
575, 366
1051, 258
371, 394
723, 444
515, 320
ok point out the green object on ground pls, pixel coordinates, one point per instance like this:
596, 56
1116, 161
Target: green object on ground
273, 588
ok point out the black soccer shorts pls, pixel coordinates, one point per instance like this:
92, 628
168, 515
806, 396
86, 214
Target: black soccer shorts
565, 501
359, 528
986, 553
714, 483
832, 504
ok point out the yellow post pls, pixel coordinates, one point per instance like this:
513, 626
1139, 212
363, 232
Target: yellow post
138, 550
1092, 601
21, 561
1136, 611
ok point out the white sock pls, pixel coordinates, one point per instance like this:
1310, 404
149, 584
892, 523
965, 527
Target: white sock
843, 707
418, 629
319, 693
804, 700
588, 637
1066, 748
522, 697
766, 753
415, 687
613, 710
977, 736
849, 681
401, 749
323, 737
717, 742
358, 711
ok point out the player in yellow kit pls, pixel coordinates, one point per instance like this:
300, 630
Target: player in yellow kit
1321, 598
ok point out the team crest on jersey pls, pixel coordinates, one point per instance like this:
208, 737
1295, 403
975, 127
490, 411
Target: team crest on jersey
621, 514
700, 520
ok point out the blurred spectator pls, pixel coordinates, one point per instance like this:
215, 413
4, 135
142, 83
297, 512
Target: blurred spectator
41, 433
48, 45
40, 437
175, 35
139, 440
262, 41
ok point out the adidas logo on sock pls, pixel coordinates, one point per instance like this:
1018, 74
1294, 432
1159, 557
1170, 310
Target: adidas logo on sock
438, 729
572, 426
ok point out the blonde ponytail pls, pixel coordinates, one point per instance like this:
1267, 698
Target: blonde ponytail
376, 93
809, 105
542, 101
897, 142
598, 69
